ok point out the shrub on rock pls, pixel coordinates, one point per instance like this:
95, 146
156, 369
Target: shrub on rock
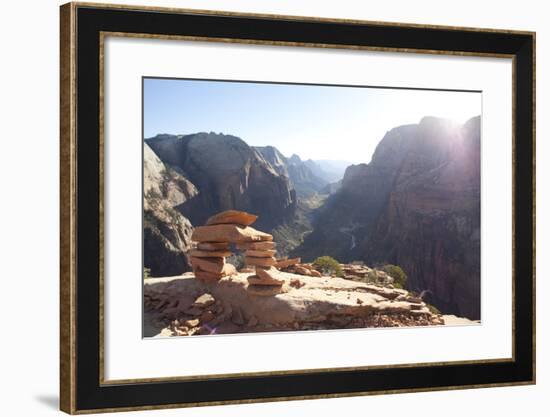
397, 273
327, 265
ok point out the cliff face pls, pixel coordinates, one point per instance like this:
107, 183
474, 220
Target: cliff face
415, 205
228, 174
167, 233
275, 158
431, 223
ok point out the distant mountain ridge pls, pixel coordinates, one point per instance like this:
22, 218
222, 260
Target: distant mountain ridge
329, 170
300, 174
228, 174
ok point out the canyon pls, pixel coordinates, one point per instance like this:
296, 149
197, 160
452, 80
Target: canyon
416, 204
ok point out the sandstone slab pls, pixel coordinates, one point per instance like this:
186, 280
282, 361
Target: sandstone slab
204, 300
256, 280
232, 217
229, 233
214, 265
270, 275
260, 253
207, 276
260, 261
315, 273
265, 290
208, 254
209, 246
287, 262
228, 269
267, 245
302, 271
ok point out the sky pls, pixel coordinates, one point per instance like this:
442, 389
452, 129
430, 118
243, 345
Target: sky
317, 122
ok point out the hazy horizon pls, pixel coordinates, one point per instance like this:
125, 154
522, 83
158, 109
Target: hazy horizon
336, 123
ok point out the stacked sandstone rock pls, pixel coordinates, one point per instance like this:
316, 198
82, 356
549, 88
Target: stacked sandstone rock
232, 226
208, 261
261, 256
213, 243
295, 266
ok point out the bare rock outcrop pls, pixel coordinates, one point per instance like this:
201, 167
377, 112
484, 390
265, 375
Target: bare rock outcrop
317, 303
167, 233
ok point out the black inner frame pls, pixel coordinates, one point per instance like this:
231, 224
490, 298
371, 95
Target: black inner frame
91, 395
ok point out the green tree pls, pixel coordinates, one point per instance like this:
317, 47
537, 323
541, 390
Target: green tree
327, 265
397, 273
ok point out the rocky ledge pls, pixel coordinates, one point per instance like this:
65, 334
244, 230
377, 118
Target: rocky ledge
183, 305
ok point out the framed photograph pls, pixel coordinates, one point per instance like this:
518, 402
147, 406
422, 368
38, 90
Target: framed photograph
264, 208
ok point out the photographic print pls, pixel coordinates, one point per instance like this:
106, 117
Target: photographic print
272, 207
